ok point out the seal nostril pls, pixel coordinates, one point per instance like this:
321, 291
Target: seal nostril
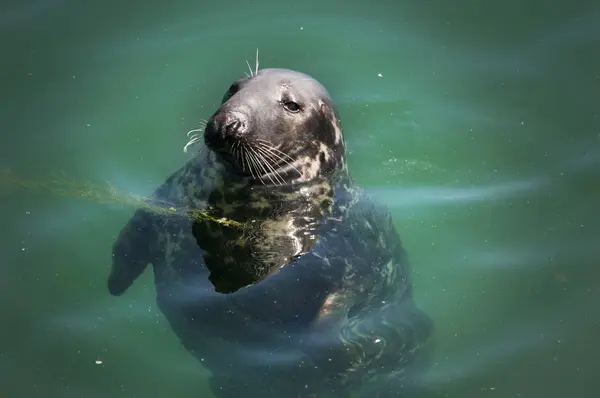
234, 124
232, 128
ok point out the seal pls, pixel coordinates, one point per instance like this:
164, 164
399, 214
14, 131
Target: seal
312, 297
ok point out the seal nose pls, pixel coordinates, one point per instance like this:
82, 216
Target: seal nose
224, 128
232, 124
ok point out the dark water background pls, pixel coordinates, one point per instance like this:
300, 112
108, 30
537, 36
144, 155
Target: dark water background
482, 134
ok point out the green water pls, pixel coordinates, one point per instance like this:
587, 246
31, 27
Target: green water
481, 133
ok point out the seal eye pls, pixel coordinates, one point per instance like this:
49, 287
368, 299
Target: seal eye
291, 106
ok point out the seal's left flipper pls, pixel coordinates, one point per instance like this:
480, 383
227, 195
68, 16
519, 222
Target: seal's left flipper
131, 252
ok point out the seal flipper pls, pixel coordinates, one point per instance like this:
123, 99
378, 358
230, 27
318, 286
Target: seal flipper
131, 252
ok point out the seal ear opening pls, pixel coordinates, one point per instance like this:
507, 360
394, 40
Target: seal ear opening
325, 110
328, 111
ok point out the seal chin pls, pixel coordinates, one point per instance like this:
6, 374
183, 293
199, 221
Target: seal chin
232, 164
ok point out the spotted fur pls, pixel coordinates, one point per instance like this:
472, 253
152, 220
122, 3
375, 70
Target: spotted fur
313, 299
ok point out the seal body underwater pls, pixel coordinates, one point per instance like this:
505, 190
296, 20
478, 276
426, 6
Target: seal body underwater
313, 296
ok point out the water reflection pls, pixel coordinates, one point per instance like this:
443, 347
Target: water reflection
435, 196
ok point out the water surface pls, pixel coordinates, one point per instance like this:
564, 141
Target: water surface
476, 122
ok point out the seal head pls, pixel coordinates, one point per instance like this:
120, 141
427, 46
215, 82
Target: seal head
279, 127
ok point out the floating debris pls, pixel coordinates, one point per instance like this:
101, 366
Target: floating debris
61, 185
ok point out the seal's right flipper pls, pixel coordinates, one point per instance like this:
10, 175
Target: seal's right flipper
131, 252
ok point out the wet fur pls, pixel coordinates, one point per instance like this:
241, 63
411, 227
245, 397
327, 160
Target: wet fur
335, 315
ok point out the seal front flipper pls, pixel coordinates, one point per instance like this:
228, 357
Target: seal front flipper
131, 252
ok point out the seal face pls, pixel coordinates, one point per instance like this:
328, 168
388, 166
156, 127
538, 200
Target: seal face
313, 296
278, 127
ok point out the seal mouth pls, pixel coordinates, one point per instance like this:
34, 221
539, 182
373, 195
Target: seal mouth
232, 162
231, 152
259, 160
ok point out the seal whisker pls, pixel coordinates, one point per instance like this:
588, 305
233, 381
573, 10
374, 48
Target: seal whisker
244, 160
237, 155
256, 72
246, 156
193, 139
234, 151
279, 157
261, 164
270, 161
274, 155
255, 163
194, 134
273, 147
263, 156
198, 130
249, 67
